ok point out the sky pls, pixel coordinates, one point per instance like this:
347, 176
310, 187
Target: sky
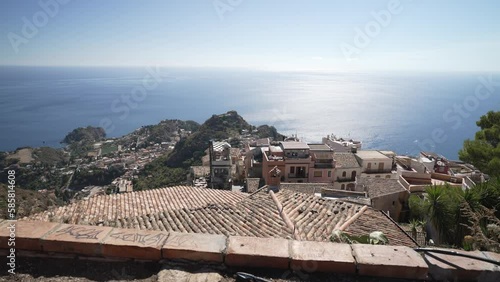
337, 35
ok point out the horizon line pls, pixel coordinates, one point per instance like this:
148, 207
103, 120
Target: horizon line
263, 69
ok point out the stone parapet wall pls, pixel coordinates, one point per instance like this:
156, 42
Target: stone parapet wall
239, 251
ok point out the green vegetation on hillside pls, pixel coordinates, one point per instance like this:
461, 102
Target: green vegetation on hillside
163, 131
85, 134
484, 151
190, 150
27, 202
81, 139
42, 177
156, 174
5, 162
96, 176
50, 156
172, 169
456, 214
269, 131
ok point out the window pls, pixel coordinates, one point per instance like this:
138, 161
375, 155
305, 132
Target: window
369, 166
353, 174
344, 174
329, 173
318, 173
292, 169
381, 166
342, 187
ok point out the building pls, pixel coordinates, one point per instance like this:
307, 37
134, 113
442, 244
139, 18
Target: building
298, 162
387, 195
220, 165
123, 185
322, 167
375, 162
341, 145
435, 163
347, 169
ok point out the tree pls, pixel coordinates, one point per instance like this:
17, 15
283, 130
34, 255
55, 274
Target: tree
484, 151
439, 209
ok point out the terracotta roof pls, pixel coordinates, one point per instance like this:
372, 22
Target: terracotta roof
314, 218
377, 187
373, 220
346, 160
305, 188
255, 216
195, 210
113, 207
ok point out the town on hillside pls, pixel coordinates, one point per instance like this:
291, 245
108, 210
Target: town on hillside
335, 178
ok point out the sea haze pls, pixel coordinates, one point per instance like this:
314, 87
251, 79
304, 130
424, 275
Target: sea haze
391, 111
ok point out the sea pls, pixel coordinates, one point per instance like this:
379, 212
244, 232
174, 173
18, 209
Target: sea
406, 112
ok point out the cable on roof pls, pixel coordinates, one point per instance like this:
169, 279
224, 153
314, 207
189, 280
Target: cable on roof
242, 276
455, 253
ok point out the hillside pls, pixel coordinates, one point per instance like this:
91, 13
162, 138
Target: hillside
165, 130
27, 202
84, 134
172, 169
219, 127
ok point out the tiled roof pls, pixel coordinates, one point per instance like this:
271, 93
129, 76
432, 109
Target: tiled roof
346, 160
109, 208
372, 220
194, 210
256, 216
305, 188
377, 187
315, 218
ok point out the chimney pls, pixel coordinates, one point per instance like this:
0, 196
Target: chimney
274, 179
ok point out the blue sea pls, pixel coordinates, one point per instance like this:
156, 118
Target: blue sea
403, 112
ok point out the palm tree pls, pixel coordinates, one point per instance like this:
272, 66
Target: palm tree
439, 210
414, 224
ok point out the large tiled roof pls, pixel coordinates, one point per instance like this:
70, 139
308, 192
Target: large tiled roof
194, 210
346, 160
255, 216
377, 187
109, 208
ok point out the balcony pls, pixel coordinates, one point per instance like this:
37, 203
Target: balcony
346, 179
298, 175
323, 165
305, 161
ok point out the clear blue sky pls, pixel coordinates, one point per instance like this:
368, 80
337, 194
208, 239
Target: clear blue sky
426, 35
